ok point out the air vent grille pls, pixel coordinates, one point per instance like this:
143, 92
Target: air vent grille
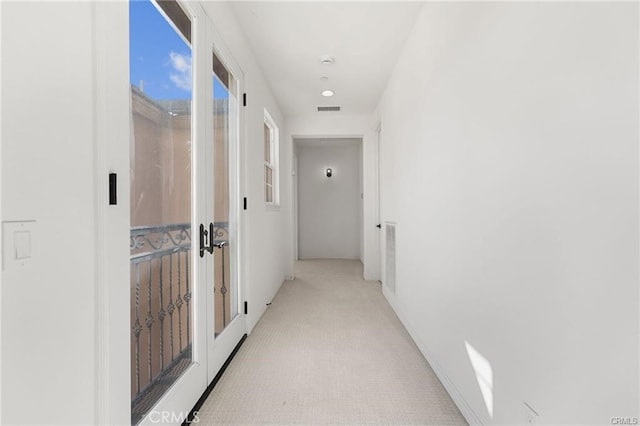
328, 108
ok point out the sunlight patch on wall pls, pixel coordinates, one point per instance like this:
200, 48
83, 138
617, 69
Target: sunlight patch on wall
484, 375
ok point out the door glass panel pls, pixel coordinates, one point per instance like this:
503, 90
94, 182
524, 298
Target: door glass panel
225, 284
160, 152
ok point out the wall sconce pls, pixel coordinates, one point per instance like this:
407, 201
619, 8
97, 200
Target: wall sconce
329, 172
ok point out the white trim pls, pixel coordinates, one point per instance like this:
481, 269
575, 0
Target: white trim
371, 270
638, 159
102, 415
111, 226
470, 416
244, 225
294, 204
376, 166
1, 220
274, 146
200, 100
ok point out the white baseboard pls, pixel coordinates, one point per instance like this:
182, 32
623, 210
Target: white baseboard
470, 416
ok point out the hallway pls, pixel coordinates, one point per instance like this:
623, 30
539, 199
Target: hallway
158, 158
329, 350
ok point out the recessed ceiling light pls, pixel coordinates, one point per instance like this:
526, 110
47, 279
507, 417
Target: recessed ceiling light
328, 93
324, 78
327, 60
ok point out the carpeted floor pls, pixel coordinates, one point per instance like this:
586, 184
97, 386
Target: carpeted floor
329, 350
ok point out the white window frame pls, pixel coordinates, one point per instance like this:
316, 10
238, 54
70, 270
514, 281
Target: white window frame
274, 164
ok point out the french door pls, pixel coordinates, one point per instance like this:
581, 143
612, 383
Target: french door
226, 322
184, 152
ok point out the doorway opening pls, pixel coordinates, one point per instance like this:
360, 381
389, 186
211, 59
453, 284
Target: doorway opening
328, 198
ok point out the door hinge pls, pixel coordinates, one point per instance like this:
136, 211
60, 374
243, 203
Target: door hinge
113, 189
244, 99
245, 203
246, 308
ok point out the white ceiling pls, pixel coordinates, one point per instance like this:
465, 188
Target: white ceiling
288, 39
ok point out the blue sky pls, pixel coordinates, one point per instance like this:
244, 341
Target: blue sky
159, 56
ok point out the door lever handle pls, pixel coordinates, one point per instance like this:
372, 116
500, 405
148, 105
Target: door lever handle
206, 239
379, 226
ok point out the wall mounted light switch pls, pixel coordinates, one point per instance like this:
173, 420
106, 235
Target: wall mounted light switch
17, 244
22, 244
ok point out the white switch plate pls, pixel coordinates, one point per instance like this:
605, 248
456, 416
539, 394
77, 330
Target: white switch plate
17, 244
22, 244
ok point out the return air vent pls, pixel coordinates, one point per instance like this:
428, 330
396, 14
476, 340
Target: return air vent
390, 261
328, 108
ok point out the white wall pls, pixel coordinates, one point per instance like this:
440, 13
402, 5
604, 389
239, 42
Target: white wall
337, 125
329, 209
510, 164
48, 176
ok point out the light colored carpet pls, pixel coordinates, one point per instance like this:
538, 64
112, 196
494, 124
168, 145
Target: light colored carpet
329, 350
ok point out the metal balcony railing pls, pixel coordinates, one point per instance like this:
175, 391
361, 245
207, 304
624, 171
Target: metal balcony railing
160, 311
161, 320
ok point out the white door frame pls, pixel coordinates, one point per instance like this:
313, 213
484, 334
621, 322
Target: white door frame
369, 159
1, 227
294, 190
377, 195
112, 223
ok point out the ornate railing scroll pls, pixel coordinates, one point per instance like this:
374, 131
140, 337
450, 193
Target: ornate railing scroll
221, 259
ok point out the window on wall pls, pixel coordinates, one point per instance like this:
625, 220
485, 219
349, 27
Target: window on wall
270, 161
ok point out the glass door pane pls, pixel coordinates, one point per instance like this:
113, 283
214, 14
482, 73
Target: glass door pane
161, 231
225, 282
